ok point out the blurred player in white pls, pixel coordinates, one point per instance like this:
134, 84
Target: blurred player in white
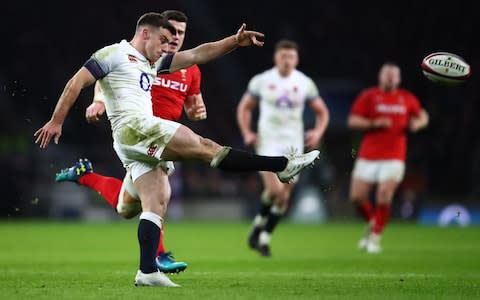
146, 144
281, 93
384, 114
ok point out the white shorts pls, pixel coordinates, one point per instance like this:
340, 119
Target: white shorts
374, 171
281, 147
140, 143
271, 147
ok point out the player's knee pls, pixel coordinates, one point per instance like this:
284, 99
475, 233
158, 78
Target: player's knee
385, 195
357, 198
128, 214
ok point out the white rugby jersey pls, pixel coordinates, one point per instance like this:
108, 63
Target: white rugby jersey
281, 102
125, 77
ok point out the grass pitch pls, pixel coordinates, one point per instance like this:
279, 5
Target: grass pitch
98, 261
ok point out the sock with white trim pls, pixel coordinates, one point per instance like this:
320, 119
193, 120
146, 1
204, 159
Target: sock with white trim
148, 238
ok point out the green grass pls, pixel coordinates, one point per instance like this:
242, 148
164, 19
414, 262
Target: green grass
98, 261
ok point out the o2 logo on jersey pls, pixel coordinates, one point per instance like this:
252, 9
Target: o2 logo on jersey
145, 82
284, 102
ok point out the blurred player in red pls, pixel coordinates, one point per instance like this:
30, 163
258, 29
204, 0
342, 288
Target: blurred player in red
171, 93
384, 113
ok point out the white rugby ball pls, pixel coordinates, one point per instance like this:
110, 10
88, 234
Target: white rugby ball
445, 68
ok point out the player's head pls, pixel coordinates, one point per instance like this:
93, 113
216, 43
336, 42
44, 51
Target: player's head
154, 32
179, 20
285, 56
389, 76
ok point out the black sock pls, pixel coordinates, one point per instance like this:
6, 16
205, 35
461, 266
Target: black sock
264, 210
272, 222
237, 160
148, 238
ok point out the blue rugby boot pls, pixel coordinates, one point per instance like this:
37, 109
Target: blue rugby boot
167, 264
73, 174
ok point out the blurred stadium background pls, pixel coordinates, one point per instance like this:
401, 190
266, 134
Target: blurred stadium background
343, 43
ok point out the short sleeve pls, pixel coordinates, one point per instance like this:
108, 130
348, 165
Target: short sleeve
360, 106
414, 105
102, 62
254, 86
312, 90
194, 88
164, 63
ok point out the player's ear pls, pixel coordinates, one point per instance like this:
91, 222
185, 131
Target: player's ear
145, 33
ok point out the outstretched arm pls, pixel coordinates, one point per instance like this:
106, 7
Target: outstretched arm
53, 128
209, 51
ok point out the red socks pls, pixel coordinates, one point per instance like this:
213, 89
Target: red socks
365, 209
382, 213
161, 247
108, 187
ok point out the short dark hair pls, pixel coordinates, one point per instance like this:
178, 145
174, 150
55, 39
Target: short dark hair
390, 63
155, 20
286, 44
175, 15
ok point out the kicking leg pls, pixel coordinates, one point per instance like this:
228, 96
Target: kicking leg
186, 145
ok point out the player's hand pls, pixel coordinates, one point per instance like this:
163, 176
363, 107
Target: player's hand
197, 111
312, 139
250, 138
381, 123
50, 130
248, 38
94, 111
414, 125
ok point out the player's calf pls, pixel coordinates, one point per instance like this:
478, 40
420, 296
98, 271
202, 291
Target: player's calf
129, 204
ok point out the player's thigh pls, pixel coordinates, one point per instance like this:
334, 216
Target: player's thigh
154, 190
364, 177
390, 175
187, 144
385, 191
360, 189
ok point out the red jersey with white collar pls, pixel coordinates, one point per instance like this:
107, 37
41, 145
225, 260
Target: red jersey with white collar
398, 106
169, 92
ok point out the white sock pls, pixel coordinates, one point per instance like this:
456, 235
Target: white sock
152, 217
259, 221
264, 238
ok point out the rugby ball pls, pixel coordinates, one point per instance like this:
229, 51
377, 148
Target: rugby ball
445, 68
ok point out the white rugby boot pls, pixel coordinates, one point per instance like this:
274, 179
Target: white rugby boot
296, 163
153, 279
373, 244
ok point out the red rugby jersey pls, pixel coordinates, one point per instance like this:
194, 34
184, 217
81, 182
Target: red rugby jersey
169, 92
398, 106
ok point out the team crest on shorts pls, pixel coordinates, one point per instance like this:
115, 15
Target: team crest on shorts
152, 150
